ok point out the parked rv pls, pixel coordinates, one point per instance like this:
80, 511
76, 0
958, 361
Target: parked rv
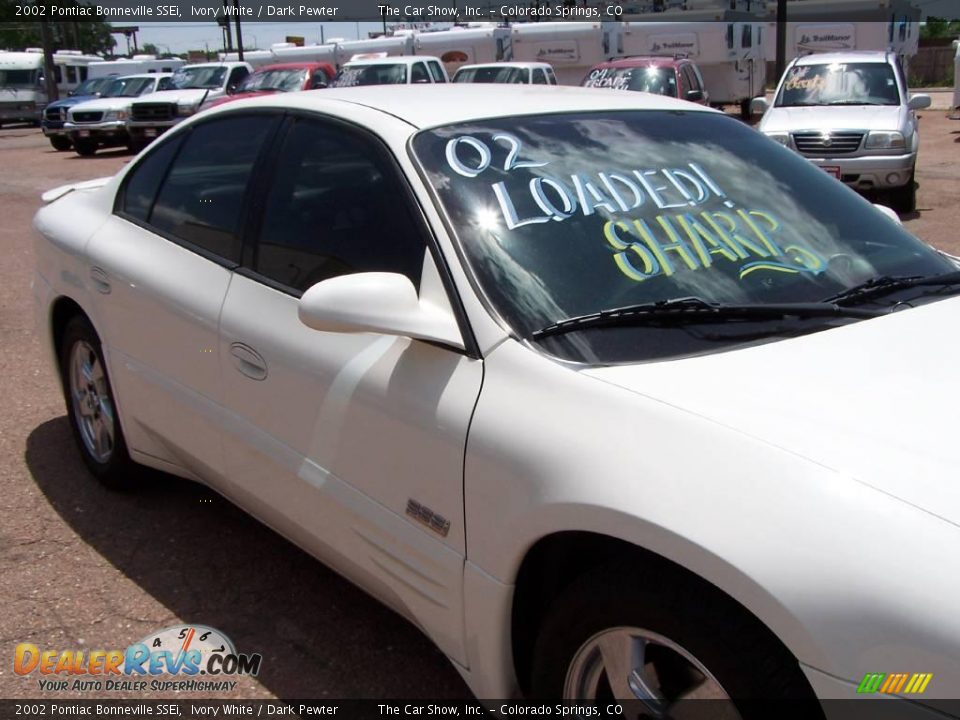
459, 47
286, 77
727, 48
55, 113
103, 122
522, 73
194, 84
23, 93
391, 71
138, 64
673, 77
572, 48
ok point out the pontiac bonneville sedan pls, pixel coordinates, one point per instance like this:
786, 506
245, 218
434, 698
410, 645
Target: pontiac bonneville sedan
612, 396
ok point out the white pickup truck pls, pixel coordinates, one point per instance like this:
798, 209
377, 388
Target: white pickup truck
152, 116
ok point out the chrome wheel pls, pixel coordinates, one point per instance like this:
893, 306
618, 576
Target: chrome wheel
628, 663
91, 403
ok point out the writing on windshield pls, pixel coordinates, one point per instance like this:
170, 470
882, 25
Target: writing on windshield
839, 84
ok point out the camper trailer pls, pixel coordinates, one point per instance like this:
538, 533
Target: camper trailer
727, 46
137, 65
572, 48
465, 46
866, 25
23, 93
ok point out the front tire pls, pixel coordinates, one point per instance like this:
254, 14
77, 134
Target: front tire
904, 199
60, 143
90, 406
656, 639
86, 148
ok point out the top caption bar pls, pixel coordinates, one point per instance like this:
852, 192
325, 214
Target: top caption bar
440, 11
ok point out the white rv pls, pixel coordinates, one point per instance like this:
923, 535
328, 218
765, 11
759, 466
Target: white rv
137, 65
727, 47
865, 25
572, 48
23, 93
465, 46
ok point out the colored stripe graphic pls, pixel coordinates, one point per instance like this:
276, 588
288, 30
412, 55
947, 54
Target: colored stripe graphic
895, 683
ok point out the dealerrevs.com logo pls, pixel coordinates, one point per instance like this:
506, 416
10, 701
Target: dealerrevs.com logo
178, 658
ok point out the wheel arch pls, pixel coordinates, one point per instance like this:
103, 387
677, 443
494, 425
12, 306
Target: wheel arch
557, 560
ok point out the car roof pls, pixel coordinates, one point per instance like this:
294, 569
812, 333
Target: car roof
848, 56
141, 75
432, 105
506, 64
643, 61
294, 66
390, 60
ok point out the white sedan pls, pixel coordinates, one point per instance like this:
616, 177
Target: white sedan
610, 395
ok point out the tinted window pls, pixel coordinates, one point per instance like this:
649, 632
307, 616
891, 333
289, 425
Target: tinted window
237, 75
319, 79
552, 77
418, 74
144, 180
165, 84
436, 71
747, 38
335, 208
539, 77
201, 200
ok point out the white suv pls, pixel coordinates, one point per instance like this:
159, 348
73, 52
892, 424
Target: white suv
850, 113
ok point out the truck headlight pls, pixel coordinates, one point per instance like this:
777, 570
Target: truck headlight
780, 137
884, 139
116, 115
185, 110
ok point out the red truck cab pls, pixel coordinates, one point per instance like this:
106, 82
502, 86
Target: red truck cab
670, 76
283, 77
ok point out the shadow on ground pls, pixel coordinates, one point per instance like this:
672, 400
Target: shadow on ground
210, 563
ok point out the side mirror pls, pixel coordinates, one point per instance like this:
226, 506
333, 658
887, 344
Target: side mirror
758, 106
231, 89
71, 93
377, 302
918, 102
694, 95
889, 212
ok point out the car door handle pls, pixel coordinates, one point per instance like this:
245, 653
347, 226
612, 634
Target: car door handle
101, 281
249, 361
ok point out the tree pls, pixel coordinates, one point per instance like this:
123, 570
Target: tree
150, 49
939, 28
91, 36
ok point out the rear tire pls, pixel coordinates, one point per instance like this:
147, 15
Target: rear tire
60, 143
86, 148
91, 408
692, 638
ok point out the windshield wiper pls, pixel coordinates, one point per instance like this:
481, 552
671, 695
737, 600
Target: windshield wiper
696, 310
884, 284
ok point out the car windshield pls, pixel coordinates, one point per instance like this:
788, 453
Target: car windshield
92, 86
274, 80
199, 77
381, 74
657, 80
19, 78
563, 215
491, 75
128, 87
839, 84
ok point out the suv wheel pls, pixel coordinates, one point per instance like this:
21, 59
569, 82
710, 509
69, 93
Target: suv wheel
60, 143
90, 406
85, 147
616, 635
904, 199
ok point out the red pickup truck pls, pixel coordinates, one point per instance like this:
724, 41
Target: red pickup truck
285, 77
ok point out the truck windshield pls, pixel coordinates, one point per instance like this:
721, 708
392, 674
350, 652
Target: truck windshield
657, 80
491, 75
839, 84
19, 78
380, 74
199, 77
91, 86
566, 214
128, 87
274, 80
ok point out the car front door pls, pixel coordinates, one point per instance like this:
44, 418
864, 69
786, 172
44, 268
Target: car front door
352, 444
162, 265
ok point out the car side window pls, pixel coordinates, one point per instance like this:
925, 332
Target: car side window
336, 207
143, 182
418, 73
165, 84
436, 71
237, 75
539, 77
201, 200
319, 79
551, 77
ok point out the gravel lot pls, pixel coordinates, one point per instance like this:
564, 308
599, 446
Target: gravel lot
81, 567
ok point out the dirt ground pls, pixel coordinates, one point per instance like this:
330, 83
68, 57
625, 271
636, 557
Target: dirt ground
81, 567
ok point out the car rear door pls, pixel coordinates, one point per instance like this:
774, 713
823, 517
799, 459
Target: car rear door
162, 264
352, 444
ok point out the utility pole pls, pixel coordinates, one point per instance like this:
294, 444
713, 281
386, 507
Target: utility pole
49, 72
781, 37
226, 27
236, 9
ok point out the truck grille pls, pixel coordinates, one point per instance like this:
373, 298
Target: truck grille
82, 117
153, 111
55, 114
834, 143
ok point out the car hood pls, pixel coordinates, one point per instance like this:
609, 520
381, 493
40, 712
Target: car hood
877, 400
112, 103
71, 101
854, 117
192, 96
